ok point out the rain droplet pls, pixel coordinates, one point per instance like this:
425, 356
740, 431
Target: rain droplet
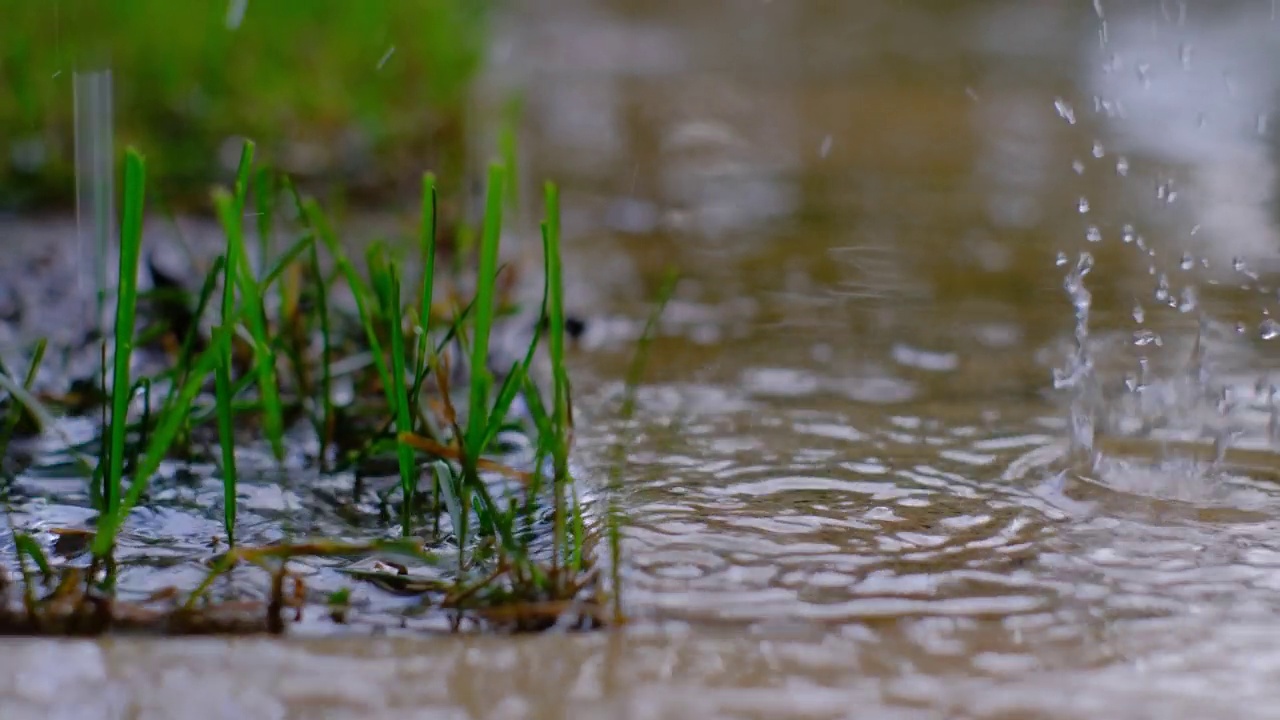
1188, 262
1269, 329
1139, 315
1127, 234
386, 56
1093, 234
1064, 110
825, 149
1122, 166
1098, 150
1061, 259
1078, 167
1189, 300
1162, 288
1083, 205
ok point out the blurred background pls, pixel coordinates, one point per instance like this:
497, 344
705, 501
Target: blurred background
878, 159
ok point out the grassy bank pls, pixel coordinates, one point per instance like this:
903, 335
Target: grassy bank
352, 99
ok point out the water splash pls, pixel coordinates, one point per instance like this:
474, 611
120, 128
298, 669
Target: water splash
1078, 373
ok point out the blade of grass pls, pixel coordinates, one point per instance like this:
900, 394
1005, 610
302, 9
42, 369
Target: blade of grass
386, 277
251, 300
126, 315
320, 225
226, 429
427, 243
15, 410
171, 420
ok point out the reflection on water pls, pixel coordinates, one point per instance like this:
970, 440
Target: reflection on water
850, 491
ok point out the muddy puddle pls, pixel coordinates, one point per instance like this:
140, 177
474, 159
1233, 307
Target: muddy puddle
963, 408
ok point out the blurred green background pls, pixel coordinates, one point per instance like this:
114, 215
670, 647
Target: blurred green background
354, 97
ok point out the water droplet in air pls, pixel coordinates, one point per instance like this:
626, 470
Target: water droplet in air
1189, 300
1061, 259
1093, 234
1162, 288
1122, 166
1269, 329
1127, 234
1188, 262
1065, 110
1083, 205
1078, 167
1237, 264
1098, 150
1139, 315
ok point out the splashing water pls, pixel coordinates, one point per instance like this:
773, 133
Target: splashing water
1078, 373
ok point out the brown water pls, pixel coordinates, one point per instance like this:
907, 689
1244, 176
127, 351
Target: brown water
847, 489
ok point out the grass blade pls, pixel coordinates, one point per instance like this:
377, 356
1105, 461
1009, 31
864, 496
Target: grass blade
172, 417
126, 316
226, 428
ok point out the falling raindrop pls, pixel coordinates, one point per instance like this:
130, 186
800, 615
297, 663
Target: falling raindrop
1093, 234
1139, 315
1184, 56
1098, 150
235, 13
1083, 205
1078, 167
1190, 300
386, 56
1269, 329
1061, 259
1188, 261
1065, 110
1127, 234
1162, 288
1122, 166
825, 148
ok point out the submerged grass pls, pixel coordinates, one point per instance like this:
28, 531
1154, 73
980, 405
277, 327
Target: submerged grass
405, 353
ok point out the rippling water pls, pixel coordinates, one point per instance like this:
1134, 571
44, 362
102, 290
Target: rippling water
852, 488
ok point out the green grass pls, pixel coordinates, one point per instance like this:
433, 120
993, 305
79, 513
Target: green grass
229, 382
126, 316
186, 82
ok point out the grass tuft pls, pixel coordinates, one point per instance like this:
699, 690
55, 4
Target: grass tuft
485, 549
